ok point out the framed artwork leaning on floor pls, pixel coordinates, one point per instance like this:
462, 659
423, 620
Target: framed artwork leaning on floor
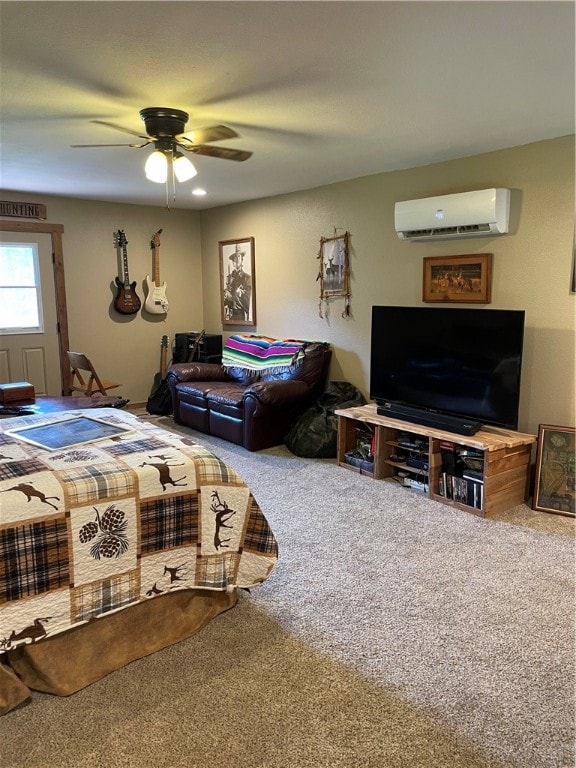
555, 480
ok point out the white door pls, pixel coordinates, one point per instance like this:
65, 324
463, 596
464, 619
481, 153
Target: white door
35, 357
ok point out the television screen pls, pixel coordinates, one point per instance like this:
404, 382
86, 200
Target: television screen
455, 361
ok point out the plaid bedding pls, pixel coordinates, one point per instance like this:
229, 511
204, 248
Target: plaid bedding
95, 528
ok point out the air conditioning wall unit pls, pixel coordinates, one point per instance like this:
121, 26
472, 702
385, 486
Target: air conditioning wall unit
481, 213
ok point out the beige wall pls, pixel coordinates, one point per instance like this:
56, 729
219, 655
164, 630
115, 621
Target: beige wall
125, 347
532, 266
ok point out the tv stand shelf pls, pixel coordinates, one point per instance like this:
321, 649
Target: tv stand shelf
431, 460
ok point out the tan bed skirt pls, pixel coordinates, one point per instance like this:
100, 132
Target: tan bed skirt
66, 663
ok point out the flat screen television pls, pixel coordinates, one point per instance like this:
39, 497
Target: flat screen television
452, 368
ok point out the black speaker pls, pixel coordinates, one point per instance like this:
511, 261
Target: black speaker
209, 350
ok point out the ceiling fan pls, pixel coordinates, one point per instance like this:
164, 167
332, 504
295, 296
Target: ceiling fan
165, 129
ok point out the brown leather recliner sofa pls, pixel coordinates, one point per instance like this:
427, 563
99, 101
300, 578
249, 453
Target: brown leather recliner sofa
252, 408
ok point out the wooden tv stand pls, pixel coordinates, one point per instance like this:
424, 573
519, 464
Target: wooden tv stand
495, 463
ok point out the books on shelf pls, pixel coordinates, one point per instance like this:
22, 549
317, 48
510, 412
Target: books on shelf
462, 476
464, 490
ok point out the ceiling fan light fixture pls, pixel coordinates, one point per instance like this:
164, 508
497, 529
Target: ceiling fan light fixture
183, 168
156, 168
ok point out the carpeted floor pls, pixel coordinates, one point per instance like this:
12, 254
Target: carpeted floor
395, 633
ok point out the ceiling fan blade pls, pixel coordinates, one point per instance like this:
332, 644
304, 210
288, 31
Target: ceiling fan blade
137, 146
120, 128
225, 153
209, 133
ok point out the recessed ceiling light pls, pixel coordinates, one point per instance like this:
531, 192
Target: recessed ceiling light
199, 192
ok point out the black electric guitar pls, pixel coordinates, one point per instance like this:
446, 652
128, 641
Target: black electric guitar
160, 401
126, 301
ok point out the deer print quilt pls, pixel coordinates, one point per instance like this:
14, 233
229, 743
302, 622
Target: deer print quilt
95, 528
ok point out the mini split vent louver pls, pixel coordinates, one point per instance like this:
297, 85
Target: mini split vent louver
480, 213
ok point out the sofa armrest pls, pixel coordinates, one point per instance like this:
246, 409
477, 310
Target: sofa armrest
283, 392
195, 372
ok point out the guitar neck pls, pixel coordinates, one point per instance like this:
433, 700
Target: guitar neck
125, 266
156, 265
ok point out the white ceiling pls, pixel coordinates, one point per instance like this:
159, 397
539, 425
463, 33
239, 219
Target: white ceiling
319, 91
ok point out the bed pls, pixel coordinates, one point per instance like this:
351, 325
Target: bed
117, 538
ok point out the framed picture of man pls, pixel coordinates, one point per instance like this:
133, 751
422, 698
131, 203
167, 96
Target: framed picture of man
237, 281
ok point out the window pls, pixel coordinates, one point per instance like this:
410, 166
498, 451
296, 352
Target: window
20, 292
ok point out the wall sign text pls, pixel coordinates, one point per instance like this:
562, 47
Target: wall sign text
22, 210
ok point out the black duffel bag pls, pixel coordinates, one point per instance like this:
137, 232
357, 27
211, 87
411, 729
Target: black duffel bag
315, 434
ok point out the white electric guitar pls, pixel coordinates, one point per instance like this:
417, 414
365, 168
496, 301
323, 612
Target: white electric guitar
156, 302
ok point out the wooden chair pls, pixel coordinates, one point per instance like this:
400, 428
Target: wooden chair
80, 363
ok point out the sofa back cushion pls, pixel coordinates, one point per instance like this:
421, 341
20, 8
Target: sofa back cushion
242, 375
311, 367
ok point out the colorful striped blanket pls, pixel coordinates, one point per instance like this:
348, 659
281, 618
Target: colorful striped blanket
256, 353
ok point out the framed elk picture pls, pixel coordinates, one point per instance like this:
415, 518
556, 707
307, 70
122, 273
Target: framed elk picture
334, 268
460, 279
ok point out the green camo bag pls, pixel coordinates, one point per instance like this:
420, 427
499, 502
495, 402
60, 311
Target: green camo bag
315, 434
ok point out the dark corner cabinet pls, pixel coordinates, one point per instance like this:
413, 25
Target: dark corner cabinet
186, 350
485, 473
